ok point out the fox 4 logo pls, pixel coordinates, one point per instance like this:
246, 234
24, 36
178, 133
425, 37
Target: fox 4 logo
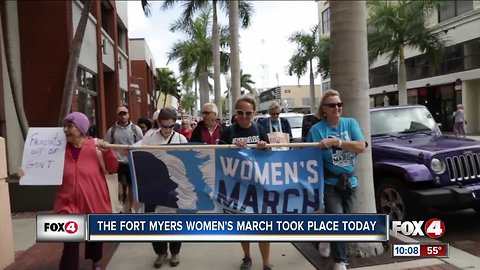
69, 227
434, 228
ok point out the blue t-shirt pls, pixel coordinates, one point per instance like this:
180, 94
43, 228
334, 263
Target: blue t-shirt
335, 160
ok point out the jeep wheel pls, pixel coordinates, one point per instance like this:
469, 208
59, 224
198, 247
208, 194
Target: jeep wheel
391, 199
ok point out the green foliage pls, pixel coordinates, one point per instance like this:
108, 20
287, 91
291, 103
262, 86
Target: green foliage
395, 25
195, 52
188, 102
246, 82
166, 83
308, 49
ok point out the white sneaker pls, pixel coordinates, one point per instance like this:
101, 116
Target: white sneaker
340, 266
324, 249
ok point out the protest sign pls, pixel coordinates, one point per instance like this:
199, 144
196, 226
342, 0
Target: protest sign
43, 157
230, 180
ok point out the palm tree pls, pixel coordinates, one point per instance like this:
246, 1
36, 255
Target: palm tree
189, 9
399, 24
323, 55
306, 52
233, 8
75, 48
13, 76
349, 75
166, 83
196, 51
246, 84
188, 101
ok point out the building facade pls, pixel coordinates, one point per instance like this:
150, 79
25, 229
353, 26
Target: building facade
142, 79
456, 81
39, 35
293, 98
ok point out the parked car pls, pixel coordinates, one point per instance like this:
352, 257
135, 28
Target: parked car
294, 119
416, 167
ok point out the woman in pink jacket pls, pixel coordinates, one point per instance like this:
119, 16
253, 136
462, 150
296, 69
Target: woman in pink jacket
84, 188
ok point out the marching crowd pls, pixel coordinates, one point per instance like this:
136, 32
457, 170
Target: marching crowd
84, 189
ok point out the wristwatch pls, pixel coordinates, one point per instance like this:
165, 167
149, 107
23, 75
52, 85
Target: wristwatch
340, 143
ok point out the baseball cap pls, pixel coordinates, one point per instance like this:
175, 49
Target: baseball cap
122, 109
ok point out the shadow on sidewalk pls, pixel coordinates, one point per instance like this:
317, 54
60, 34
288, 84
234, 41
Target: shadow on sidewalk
46, 256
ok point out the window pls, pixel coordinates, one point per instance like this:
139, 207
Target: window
453, 8
106, 11
122, 36
326, 21
124, 97
85, 98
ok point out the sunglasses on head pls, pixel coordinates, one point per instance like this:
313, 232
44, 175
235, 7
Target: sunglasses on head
164, 126
244, 113
333, 105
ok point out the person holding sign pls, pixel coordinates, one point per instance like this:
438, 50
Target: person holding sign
84, 188
340, 139
242, 133
279, 130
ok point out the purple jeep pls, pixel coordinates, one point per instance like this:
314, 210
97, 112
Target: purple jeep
416, 167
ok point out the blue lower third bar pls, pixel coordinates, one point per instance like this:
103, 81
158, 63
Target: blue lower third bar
237, 227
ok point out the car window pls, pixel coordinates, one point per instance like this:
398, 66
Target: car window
295, 121
402, 120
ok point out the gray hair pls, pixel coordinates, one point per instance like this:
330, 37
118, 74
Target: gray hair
212, 106
274, 106
167, 113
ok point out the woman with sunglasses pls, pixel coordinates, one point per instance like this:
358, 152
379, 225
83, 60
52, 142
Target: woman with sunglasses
242, 133
165, 134
340, 139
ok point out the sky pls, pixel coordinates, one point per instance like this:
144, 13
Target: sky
265, 49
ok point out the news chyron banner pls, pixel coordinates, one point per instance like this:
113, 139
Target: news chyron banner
213, 227
230, 180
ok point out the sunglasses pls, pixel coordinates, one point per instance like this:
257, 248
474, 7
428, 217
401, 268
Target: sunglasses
333, 105
207, 112
122, 113
244, 113
163, 126
275, 113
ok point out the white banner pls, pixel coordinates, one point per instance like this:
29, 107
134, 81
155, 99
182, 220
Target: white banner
43, 157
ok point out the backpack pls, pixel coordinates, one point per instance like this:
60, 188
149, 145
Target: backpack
134, 131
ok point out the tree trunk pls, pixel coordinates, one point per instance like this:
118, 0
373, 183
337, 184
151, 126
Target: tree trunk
312, 90
195, 110
13, 78
165, 100
402, 78
75, 49
204, 89
349, 75
234, 49
216, 60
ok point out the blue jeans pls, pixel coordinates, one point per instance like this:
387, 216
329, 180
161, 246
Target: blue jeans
337, 202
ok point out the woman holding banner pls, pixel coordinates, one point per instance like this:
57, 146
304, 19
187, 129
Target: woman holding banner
166, 135
340, 139
84, 188
240, 134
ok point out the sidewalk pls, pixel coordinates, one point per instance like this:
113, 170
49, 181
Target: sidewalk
199, 256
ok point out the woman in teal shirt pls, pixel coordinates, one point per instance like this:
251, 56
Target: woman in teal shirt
340, 139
